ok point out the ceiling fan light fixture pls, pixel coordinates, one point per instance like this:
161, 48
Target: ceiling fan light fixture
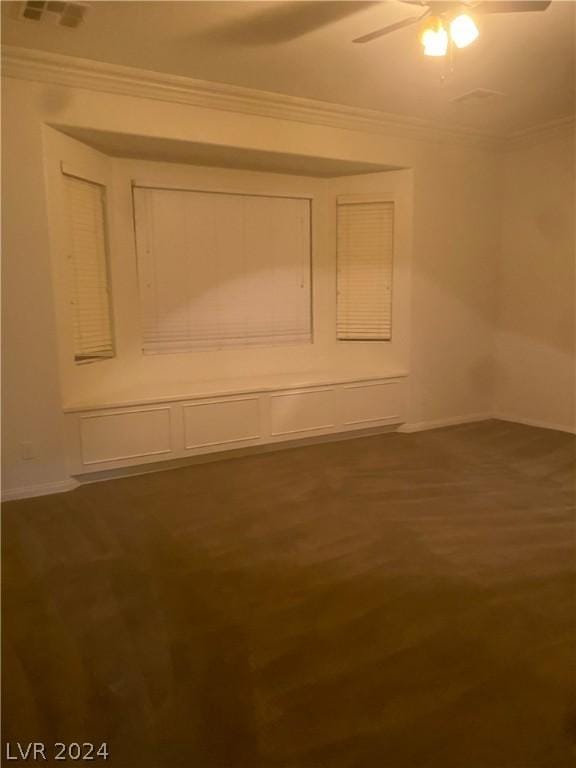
434, 37
463, 30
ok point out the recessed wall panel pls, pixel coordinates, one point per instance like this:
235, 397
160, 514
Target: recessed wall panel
365, 403
302, 412
126, 435
218, 423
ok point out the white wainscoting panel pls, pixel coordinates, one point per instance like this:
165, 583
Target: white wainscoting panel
125, 435
220, 422
130, 434
292, 413
366, 403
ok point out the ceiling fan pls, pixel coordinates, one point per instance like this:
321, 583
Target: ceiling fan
461, 25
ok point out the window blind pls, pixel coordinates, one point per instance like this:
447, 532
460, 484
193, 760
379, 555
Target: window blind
365, 246
89, 288
221, 270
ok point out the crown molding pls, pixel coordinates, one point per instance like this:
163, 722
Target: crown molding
57, 69
563, 127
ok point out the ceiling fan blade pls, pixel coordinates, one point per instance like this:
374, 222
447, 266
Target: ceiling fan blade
281, 22
390, 28
512, 6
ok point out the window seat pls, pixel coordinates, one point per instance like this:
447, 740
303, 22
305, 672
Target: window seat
208, 388
135, 427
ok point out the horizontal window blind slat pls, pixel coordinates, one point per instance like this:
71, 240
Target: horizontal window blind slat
219, 270
88, 275
365, 244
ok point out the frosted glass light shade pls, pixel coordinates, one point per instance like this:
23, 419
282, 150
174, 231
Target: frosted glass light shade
463, 30
434, 38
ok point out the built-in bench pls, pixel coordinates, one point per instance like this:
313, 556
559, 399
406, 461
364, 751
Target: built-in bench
128, 429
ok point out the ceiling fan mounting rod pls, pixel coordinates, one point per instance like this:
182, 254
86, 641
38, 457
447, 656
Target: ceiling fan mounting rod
441, 8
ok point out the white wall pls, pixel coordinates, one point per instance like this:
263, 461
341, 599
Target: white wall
456, 245
536, 364
31, 411
454, 255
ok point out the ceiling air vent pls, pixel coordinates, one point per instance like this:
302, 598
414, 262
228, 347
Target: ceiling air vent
478, 94
63, 14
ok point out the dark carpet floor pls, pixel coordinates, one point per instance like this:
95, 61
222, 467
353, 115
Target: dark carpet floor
404, 601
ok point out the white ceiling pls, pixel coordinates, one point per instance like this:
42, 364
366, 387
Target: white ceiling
305, 49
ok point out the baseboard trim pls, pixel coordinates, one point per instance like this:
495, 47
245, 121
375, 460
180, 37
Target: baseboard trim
230, 455
422, 426
63, 486
43, 489
27, 492
536, 423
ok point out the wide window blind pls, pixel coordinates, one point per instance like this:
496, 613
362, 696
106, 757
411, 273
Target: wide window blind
221, 270
89, 288
365, 243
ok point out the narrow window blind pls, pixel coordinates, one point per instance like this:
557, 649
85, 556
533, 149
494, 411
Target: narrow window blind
220, 270
89, 288
365, 246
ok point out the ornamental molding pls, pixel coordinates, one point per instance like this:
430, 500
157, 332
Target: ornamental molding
57, 69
